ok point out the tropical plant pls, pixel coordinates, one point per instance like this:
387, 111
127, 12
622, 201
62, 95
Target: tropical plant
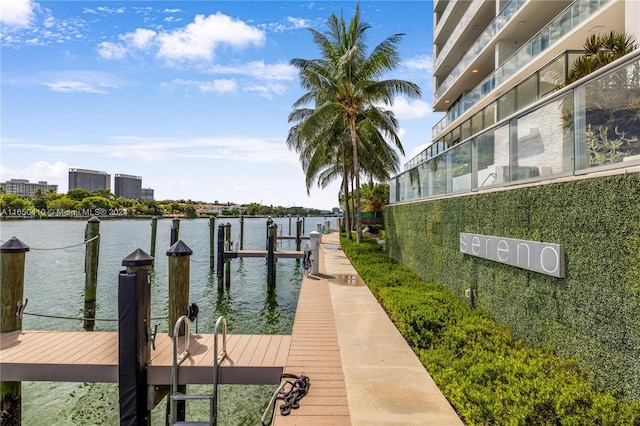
344, 87
612, 101
600, 50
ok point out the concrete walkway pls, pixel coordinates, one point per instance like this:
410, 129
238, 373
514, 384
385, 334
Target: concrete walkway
385, 382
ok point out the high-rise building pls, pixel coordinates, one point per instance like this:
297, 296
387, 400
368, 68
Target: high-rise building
89, 180
128, 186
500, 76
147, 194
24, 188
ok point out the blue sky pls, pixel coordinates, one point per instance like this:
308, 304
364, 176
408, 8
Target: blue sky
193, 96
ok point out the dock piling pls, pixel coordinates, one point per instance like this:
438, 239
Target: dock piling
154, 232
220, 265
228, 246
241, 232
175, 231
179, 268
12, 255
134, 338
92, 251
212, 239
271, 258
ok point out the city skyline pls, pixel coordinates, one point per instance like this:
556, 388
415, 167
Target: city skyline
193, 96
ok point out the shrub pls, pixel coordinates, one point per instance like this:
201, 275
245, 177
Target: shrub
487, 375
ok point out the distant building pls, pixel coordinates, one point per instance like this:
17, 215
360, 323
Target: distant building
128, 186
146, 193
89, 180
24, 188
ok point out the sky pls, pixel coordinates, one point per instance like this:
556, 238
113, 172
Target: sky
193, 96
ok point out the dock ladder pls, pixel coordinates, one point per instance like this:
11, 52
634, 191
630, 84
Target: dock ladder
218, 358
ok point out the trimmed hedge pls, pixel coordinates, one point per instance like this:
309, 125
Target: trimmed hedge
592, 314
488, 376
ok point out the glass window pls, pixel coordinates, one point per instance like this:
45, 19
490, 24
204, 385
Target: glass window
490, 114
541, 147
477, 123
460, 158
465, 129
506, 104
611, 128
486, 175
527, 92
552, 76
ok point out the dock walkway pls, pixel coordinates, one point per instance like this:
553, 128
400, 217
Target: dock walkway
81, 356
361, 370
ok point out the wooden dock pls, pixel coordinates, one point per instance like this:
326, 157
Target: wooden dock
279, 254
316, 352
93, 357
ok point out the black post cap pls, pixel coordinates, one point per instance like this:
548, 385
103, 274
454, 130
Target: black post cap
14, 245
179, 249
137, 258
93, 219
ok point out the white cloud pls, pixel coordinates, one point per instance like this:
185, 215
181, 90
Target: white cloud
66, 86
40, 170
257, 69
108, 50
405, 110
215, 86
141, 38
419, 63
199, 39
80, 82
17, 13
268, 90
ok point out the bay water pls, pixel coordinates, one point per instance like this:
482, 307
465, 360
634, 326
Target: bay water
54, 287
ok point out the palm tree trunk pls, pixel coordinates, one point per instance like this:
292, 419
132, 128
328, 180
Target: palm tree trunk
356, 172
345, 182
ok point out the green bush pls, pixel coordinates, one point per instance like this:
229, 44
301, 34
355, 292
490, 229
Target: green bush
487, 375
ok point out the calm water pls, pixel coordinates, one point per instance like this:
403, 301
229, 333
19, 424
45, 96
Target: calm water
54, 285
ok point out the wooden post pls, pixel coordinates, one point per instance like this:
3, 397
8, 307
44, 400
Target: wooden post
228, 243
134, 333
220, 265
92, 252
289, 224
269, 223
212, 241
12, 254
179, 267
298, 234
271, 258
175, 231
154, 229
241, 232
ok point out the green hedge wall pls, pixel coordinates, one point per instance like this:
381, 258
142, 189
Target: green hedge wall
592, 314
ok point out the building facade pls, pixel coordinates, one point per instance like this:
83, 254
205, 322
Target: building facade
525, 203
24, 188
89, 180
128, 186
499, 78
146, 193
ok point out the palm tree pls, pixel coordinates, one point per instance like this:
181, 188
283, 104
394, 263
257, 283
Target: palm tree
344, 83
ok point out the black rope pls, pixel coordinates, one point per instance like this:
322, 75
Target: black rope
297, 390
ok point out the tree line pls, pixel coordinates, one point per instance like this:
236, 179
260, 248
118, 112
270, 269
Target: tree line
80, 202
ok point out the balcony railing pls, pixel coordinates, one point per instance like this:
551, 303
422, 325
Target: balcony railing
586, 127
571, 18
464, 21
480, 44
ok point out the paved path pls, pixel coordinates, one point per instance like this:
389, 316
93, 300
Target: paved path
384, 380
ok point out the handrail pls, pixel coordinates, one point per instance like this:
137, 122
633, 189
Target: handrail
177, 360
217, 360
